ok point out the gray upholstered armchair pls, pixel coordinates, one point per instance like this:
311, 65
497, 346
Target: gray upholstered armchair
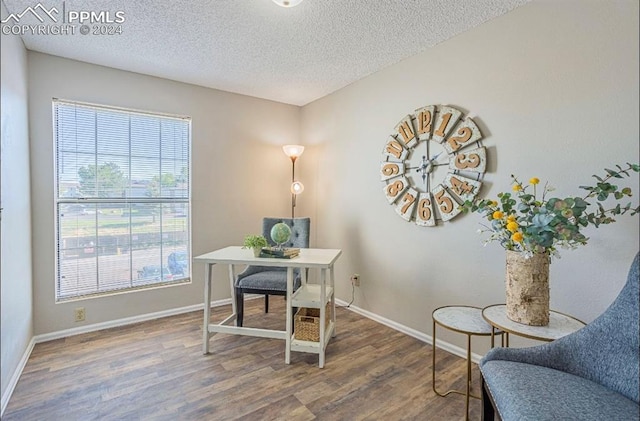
591, 374
271, 280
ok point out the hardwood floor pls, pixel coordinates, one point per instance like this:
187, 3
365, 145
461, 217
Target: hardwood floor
156, 371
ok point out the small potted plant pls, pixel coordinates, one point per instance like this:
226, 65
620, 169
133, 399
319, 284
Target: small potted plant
255, 242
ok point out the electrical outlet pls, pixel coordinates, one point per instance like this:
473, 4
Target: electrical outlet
79, 314
355, 279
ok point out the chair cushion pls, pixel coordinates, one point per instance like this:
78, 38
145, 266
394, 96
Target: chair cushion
273, 280
529, 392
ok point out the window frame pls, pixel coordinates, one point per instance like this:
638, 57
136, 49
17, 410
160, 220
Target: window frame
59, 200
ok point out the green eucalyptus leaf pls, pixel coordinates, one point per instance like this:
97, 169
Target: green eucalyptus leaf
613, 173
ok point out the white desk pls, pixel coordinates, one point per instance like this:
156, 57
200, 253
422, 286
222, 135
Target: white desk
308, 295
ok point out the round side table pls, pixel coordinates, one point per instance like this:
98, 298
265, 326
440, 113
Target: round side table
461, 319
559, 325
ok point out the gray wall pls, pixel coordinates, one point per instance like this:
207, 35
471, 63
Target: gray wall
240, 174
555, 88
15, 229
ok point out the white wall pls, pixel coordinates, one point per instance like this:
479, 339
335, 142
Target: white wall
555, 88
15, 229
240, 174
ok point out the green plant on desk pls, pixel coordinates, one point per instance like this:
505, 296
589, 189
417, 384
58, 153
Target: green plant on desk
255, 242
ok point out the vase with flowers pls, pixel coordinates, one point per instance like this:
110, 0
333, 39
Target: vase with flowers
531, 226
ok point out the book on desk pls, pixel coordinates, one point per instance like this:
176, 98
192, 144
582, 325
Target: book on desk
279, 253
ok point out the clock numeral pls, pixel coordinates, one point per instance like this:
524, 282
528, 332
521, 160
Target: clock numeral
464, 187
467, 133
444, 202
394, 149
395, 188
474, 160
424, 209
406, 204
446, 120
460, 187
424, 121
464, 134
424, 214
443, 125
408, 199
405, 129
464, 161
391, 170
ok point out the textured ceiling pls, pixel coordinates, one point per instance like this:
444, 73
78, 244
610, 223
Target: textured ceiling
254, 47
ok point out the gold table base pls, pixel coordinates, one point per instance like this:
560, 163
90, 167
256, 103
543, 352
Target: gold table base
466, 393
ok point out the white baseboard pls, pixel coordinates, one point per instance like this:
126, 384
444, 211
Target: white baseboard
16, 376
446, 346
125, 321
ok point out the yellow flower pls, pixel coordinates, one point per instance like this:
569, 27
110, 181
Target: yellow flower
517, 237
512, 226
534, 180
511, 218
497, 215
517, 187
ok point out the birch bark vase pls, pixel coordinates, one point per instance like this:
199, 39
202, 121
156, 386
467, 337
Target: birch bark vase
527, 288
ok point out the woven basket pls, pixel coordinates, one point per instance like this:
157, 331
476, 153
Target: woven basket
307, 323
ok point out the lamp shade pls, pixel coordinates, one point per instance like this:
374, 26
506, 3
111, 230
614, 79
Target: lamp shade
297, 187
287, 3
293, 151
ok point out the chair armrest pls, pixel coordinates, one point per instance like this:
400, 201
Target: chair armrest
565, 354
538, 355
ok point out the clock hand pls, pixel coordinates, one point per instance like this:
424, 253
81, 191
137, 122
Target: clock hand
423, 167
435, 156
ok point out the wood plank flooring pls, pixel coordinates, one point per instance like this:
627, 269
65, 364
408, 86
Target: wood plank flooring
156, 371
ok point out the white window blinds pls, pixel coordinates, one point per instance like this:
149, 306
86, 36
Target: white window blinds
122, 199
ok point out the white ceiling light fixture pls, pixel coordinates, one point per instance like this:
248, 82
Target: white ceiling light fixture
287, 3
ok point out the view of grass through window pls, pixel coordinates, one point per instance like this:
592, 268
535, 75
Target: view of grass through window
122, 200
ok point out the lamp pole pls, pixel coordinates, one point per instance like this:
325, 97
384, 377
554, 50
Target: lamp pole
293, 179
293, 152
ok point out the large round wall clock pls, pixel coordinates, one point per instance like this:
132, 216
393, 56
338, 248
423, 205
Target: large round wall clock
432, 162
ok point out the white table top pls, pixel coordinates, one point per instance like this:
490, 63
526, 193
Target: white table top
462, 319
308, 258
559, 324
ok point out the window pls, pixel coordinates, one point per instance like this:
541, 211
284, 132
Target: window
122, 199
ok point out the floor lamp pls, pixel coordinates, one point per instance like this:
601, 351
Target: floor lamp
293, 152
